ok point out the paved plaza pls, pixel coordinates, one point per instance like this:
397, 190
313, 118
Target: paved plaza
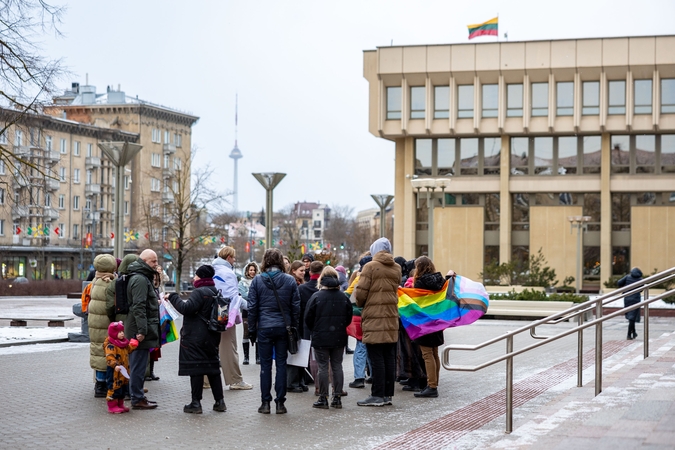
47, 393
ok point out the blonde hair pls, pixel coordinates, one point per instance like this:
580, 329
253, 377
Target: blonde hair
327, 271
226, 252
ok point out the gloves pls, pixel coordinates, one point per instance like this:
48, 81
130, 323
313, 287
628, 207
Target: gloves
133, 342
252, 336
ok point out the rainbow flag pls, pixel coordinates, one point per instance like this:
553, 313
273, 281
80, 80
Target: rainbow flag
461, 302
489, 28
166, 325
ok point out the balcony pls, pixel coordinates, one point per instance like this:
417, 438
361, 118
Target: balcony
91, 217
52, 157
52, 184
50, 213
19, 181
92, 162
167, 197
19, 212
92, 189
168, 172
22, 151
169, 149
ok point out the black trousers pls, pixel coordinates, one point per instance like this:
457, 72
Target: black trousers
197, 385
383, 363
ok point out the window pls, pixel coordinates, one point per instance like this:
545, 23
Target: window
591, 154
90, 150
87, 205
62, 174
154, 209
393, 103
565, 98
76, 175
591, 98
492, 148
490, 100
2, 167
417, 102
317, 224
154, 185
468, 156
126, 182
90, 177
441, 102
567, 155
645, 153
3, 137
519, 155
76, 202
62, 230
423, 157
76, 149
543, 156
2, 196
448, 157
62, 201
166, 161
617, 97
156, 136
539, 99
156, 160
620, 154
177, 163
76, 231
167, 135
668, 153
126, 208
48, 200
18, 138
643, 97
64, 147
465, 101
48, 143
514, 100
668, 96
177, 140
2, 227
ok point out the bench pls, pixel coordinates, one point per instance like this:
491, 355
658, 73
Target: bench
18, 321
526, 308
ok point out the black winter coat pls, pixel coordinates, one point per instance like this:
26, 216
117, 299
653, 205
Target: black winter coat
306, 291
634, 276
198, 354
329, 312
430, 282
143, 314
263, 308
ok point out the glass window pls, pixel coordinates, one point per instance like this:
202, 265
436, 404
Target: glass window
643, 96
620, 260
668, 153
492, 211
567, 155
465, 101
393, 103
441, 102
543, 155
76, 202
492, 148
539, 99
468, 159
645, 153
48, 142
591, 98
565, 98
90, 150
423, 161
521, 212
417, 102
519, 155
617, 97
592, 154
76, 150
514, 100
620, 154
446, 157
490, 100
64, 146
668, 96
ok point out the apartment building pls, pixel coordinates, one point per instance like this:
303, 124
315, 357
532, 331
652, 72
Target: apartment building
510, 139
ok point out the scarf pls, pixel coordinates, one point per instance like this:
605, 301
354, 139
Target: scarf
314, 276
204, 282
105, 276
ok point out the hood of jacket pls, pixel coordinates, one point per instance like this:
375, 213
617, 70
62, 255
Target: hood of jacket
126, 261
271, 276
105, 263
430, 281
257, 269
636, 273
384, 258
380, 245
140, 266
221, 262
330, 282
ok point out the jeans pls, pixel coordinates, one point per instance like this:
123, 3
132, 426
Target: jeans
360, 360
432, 363
324, 356
268, 339
197, 386
383, 363
138, 360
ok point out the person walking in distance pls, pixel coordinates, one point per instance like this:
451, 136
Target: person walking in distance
250, 271
633, 316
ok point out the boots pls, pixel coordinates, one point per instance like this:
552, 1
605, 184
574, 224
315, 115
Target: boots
113, 408
120, 404
321, 403
246, 348
150, 372
193, 408
264, 407
257, 355
100, 389
336, 403
220, 405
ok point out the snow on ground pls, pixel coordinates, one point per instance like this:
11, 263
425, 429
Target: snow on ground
13, 334
37, 348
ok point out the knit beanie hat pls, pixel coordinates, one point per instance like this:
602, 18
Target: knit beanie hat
341, 269
205, 271
382, 244
114, 329
365, 260
307, 256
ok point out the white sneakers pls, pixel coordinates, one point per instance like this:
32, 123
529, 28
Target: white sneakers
241, 386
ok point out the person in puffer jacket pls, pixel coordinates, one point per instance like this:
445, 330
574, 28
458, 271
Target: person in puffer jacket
633, 316
273, 301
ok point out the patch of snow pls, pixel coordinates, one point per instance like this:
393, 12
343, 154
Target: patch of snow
13, 334
38, 348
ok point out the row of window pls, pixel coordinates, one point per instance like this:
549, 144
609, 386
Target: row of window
63, 143
539, 99
545, 155
156, 161
157, 137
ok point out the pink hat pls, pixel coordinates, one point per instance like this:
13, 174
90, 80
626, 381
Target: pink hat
341, 269
114, 329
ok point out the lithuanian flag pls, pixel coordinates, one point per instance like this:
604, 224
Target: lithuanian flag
489, 28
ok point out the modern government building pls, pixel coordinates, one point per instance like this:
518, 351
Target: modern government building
510, 140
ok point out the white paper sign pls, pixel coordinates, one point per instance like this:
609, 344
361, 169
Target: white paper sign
124, 372
300, 359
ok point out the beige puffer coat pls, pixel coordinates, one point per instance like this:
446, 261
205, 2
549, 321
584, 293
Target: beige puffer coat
105, 266
376, 293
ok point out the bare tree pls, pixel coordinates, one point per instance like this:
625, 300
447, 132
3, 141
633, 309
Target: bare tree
350, 238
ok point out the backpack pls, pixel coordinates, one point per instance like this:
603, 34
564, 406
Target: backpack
121, 292
217, 321
86, 297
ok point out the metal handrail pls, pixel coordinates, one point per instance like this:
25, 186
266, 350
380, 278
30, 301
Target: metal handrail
574, 311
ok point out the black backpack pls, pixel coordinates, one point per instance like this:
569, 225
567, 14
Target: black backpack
220, 308
121, 292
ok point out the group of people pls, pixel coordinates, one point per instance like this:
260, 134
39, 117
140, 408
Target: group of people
318, 300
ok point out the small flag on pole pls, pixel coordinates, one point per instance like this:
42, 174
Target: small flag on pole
489, 28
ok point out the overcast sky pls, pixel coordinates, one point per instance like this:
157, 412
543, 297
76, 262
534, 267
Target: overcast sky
298, 69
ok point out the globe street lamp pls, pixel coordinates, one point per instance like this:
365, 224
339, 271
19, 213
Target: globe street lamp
120, 154
382, 200
581, 224
430, 184
269, 180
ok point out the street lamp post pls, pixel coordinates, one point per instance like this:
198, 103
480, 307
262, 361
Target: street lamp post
581, 224
269, 180
430, 184
120, 154
382, 200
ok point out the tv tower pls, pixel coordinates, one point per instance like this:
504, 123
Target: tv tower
236, 155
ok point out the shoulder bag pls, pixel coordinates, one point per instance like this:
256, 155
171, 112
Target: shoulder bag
292, 337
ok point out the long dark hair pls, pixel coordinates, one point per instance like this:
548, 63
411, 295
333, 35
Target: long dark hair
273, 258
423, 266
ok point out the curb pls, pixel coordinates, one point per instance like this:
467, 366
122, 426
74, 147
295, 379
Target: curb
33, 341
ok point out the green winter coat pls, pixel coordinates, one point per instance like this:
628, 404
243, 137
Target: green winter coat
143, 317
110, 291
105, 266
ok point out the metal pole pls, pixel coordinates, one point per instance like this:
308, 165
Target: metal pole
598, 349
580, 351
119, 212
578, 225
509, 386
268, 221
382, 222
430, 227
646, 332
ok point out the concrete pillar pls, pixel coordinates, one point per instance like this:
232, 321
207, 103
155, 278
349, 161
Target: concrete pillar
405, 213
505, 201
605, 212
